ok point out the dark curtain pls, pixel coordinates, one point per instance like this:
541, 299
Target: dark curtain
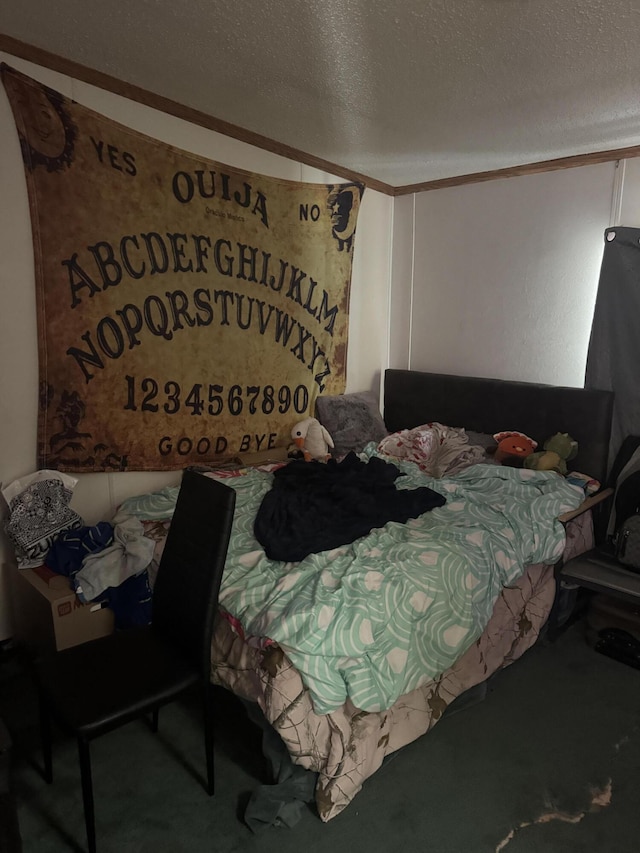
613, 359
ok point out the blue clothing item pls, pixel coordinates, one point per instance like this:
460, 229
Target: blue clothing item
130, 601
71, 547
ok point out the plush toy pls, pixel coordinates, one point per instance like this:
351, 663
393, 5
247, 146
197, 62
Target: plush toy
513, 447
558, 450
313, 439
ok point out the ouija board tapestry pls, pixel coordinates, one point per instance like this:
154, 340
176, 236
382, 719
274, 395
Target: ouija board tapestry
188, 311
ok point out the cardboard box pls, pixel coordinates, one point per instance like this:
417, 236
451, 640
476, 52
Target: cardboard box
49, 615
52, 579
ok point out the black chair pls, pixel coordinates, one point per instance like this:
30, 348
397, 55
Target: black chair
10, 839
94, 688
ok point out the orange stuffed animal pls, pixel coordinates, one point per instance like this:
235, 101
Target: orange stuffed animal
513, 447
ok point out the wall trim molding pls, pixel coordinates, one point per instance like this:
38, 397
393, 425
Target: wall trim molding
571, 162
150, 99
88, 75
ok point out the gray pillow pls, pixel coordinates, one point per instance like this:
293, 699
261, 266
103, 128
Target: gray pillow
353, 420
487, 442
481, 439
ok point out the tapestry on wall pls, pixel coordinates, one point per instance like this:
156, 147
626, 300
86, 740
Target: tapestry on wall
188, 311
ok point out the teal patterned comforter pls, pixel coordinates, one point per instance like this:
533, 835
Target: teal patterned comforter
374, 619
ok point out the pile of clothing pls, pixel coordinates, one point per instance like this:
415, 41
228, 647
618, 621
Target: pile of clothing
107, 563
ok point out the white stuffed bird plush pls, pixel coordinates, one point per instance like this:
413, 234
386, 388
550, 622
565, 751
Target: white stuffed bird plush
313, 439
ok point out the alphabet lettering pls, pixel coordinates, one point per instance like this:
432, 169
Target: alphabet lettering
176, 311
255, 442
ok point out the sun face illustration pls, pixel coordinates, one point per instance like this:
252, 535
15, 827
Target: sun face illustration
46, 131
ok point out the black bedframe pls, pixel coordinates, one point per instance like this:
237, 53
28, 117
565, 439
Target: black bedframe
412, 398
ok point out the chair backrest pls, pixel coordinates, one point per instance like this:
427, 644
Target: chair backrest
628, 448
185, 595
625, 480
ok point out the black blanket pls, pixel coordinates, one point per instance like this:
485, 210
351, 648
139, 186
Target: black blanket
315, 506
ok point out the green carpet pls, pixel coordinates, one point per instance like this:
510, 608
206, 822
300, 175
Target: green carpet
548, 762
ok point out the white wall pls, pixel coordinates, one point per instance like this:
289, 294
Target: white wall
499, 279
402, 280
97, 495
505, 275
628, 213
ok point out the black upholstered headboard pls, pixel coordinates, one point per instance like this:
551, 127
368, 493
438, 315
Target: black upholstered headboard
412, 398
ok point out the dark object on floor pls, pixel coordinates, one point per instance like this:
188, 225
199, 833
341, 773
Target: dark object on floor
619, 644
284, 802
10, 841
604, 611
94, 688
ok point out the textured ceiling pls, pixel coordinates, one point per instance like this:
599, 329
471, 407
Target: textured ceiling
404, 91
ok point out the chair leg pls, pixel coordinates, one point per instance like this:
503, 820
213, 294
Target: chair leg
87, 793
45, 738
208, 735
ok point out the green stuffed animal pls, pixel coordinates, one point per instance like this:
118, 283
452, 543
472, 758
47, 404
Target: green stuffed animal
558, 450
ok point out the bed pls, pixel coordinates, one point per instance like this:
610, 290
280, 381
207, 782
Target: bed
480, 565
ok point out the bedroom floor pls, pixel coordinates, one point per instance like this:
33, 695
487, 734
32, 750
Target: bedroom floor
547, 762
